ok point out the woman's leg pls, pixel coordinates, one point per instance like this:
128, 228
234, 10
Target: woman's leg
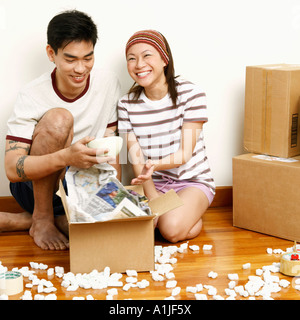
184, 222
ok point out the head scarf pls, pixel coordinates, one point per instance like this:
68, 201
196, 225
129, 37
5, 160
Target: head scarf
152, 37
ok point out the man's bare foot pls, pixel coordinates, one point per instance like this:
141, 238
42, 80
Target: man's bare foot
47, 236
15, 221
61, 222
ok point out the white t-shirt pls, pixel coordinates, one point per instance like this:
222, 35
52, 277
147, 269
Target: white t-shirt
157, 126
93, 111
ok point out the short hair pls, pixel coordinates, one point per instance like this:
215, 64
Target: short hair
71, 26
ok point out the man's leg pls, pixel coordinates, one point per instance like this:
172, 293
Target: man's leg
15, 221
53, 132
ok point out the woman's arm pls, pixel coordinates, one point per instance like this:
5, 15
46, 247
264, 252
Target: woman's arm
189, 135
137, 161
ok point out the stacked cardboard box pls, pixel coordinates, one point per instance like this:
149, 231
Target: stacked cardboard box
266, 193
272, 102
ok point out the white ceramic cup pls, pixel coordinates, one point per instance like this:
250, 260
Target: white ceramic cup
114, 144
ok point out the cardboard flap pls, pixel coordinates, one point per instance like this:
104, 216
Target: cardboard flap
137, 188
165, 203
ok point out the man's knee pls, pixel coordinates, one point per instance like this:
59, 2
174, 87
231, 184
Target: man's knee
54, 130
56, 118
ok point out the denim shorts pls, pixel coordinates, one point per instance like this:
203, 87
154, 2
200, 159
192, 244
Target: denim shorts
167, 184
23, 193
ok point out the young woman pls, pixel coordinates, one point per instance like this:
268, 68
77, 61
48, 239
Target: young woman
162, 119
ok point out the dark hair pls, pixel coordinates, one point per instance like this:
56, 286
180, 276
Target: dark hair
170, 78
71, 26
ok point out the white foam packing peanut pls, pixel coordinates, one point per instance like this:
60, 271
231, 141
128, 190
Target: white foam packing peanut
201, 296
143, 284
112, 292
194, 247
207, 247
156, 276
212, 275
50, 272
131, 273
212, 291
131, 279
284, 283
246, 266
191, 289
230, 292
164, 268
297, 281
176, 291
233, 276
171, 284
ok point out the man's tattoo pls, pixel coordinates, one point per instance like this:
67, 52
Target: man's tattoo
20, 168
14, 145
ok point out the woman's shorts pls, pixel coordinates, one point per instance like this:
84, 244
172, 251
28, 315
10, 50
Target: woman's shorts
168, 184
23, 193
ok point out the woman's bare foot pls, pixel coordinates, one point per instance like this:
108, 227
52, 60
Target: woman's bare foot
15, 221
47, 236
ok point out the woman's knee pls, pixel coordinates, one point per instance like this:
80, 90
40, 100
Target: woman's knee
176, 230
171, 230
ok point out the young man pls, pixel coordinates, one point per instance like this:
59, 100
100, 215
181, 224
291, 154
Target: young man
54, 117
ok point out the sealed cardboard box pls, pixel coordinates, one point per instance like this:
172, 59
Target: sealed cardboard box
266, 195
271, 123
120, 244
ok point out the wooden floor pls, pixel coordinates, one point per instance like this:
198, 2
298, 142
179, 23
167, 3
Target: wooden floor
232, 247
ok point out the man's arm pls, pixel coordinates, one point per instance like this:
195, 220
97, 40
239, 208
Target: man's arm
113, 131
21, 166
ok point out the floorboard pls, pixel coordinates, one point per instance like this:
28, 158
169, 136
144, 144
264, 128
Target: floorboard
231, 248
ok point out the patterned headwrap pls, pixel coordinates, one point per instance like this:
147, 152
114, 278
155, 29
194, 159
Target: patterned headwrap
152, 37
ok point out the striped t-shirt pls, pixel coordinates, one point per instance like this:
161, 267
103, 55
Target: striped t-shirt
157, 126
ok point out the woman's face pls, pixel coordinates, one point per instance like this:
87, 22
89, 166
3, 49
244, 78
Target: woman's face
145, 65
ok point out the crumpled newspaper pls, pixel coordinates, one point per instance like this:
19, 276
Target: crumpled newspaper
95, 194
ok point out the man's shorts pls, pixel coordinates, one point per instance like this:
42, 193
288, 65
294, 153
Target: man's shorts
23, 193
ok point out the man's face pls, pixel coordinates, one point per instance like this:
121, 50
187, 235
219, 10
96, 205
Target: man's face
74, 63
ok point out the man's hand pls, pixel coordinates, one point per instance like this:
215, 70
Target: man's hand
81, 156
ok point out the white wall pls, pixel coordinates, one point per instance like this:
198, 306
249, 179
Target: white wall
212, 42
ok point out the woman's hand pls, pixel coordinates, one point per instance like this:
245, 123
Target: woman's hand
145, 174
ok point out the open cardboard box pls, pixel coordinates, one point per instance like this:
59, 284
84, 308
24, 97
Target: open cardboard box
120, 244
